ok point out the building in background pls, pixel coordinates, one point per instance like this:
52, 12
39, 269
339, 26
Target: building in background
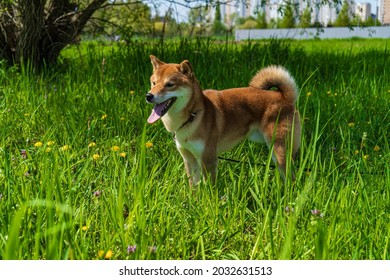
384, 12
363, 10
320, 13
324, 14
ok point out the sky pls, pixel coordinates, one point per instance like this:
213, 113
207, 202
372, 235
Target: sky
180, 11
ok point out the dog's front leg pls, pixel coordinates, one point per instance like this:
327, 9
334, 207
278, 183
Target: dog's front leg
191, 165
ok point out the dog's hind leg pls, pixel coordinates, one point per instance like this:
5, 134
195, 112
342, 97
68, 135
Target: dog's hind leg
276, 141
286, 146
279, 157
209, 166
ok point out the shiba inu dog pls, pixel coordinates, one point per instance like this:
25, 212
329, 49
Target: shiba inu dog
206, 123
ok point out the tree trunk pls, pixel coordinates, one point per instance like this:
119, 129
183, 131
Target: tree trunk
31, 31
34, 32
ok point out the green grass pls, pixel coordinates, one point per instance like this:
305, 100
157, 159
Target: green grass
65, 198
354, 45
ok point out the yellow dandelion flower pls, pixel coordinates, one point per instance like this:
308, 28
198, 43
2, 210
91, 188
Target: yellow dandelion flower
38, 144
132, 92
351, 124
96, 156
50, 143
308, 94
122, 154
84, 228
107, 255
335, 94
148, 144
65, 148
356, 152
122, 119
329, 92
48, 150
376, 148
92, 144
104, 117
115, 148
26, 114
366, 156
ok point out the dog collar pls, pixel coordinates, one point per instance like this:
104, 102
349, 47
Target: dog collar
190, 120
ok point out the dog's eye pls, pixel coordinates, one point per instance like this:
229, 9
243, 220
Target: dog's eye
153, 83
169, 84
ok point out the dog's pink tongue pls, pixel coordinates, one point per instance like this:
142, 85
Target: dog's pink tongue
156, 113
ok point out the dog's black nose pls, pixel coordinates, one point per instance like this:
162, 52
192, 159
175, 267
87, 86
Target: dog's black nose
149, 97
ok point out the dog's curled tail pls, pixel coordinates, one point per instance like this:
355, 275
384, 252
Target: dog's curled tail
276, 77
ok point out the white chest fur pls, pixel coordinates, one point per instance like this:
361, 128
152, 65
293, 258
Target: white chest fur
196, 147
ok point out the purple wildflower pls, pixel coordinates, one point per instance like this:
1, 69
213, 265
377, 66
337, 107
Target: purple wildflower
333, 149
289, 209
317, 213
23, 153
153, 249
131, 249
97, 193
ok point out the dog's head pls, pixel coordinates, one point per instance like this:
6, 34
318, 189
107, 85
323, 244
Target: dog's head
171, 87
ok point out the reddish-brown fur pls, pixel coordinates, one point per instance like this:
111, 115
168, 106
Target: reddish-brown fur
208, 122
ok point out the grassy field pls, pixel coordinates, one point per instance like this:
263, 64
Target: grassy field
354, 45
83, 176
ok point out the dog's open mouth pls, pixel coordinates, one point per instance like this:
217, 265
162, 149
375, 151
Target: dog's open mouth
160, 110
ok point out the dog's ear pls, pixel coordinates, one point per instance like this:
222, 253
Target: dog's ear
186, 69
155, 62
